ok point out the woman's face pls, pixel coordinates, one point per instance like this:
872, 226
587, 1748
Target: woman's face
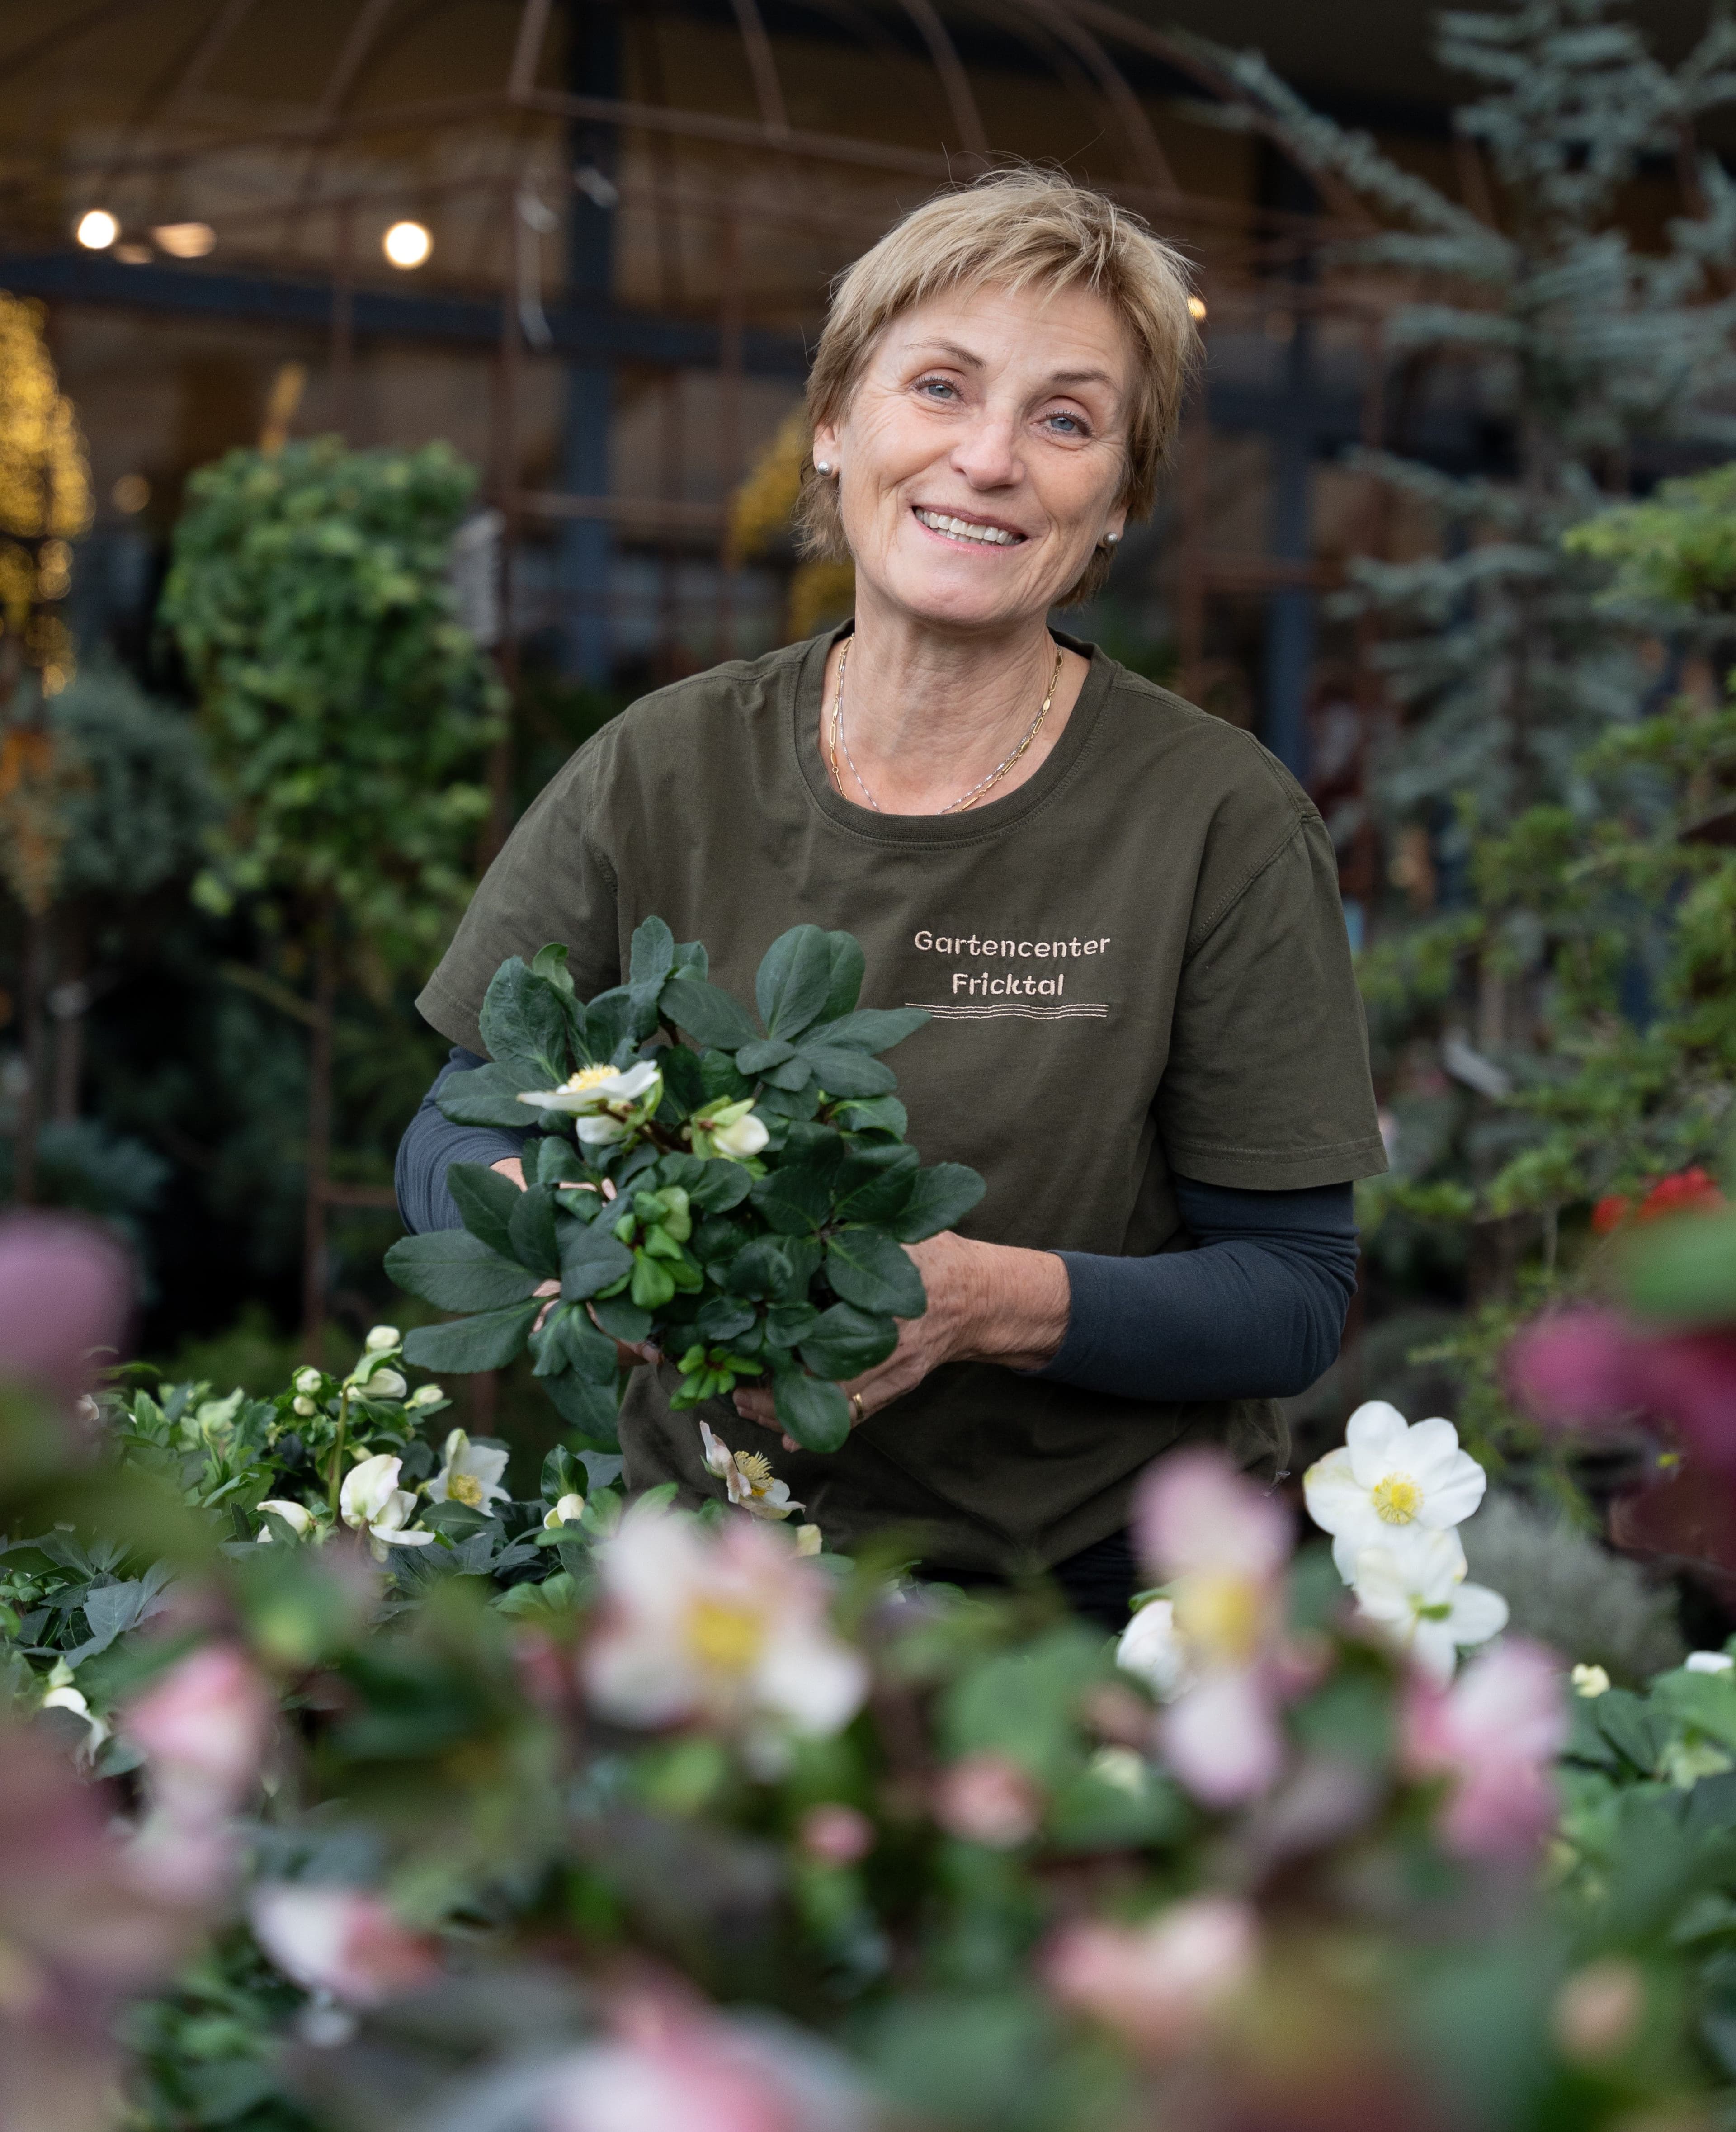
982, 455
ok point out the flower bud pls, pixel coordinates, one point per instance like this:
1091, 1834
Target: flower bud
381, 1337
307, 1382
568, 1511
426, 1395
304, 1406
1590, 1681
386, 1384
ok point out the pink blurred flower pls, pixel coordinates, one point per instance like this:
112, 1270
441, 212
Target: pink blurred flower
1590, 1367
696, 2073
836, 1834
343, 1941
66, 1292
76, 1938
1495, 1734
204, 1725
1160, 1984
987, 1798
1219, 1545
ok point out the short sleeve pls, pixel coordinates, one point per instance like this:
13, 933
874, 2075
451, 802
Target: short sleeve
1267, 1084
550, 882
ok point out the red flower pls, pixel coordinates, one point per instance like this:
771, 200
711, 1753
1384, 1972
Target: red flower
1688, 1191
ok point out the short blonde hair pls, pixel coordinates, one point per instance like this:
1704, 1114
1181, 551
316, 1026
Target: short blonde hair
1015, 230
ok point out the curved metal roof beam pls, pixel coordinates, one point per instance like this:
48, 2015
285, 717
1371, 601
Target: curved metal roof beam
1151, 166
207, 51
957, 83
367, 27
527, 48
773, 116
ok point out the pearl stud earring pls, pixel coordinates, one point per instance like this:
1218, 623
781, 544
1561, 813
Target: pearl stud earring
823, 465
1112, 540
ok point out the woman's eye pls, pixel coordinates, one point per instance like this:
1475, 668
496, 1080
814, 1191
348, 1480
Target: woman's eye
940, 388
1068, 425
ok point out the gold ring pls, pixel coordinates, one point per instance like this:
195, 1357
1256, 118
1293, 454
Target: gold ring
861, 1412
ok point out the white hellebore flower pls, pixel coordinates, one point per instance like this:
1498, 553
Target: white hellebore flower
471, 1474
1708, 1662
599, 1099
1150, 1648
62, 1695
426, 1395
299, 1520
372, 1502
1388, 1484
738, 1131
381, 1337
308, 1382
568, 1511
385, 1385
747, 1475
1418, 1594
728, 1625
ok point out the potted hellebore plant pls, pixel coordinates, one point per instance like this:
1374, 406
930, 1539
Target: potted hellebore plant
736, 1189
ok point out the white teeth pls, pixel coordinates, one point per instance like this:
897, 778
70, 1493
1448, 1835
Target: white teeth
961, 528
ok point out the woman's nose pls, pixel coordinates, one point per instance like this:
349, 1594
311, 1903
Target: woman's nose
986, 455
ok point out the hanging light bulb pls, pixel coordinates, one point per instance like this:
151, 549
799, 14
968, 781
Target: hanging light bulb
406, 244
97, 230
1197, 309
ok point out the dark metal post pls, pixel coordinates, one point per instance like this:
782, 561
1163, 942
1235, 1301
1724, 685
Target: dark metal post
593, 70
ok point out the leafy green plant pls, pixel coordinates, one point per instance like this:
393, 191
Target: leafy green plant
742, 1199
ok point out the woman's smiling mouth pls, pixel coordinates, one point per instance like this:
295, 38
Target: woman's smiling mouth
968, 529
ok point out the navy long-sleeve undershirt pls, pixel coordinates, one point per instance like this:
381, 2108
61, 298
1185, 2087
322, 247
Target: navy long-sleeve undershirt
1256, 1310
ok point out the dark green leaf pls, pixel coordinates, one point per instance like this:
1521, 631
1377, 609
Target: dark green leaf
865, 1267
847, 1341
873, 1029
455, 1270
610, 1019
593, 1409
556, 1163
760, 1269
708, 1014
844, 983
487, 1343
874, 1185
940, 1198
622, 1319
488, 1096
487, 1203
723, 1082
794, 1199
761, 1056
815, 1413
841, 1072
721, 1317
569, 1341
563, 1476
789, 1323
591, 1258
533, 1232
794, 980
882, 1114
550, 965
720, 1186
652, 954
684, 1082
523, 1018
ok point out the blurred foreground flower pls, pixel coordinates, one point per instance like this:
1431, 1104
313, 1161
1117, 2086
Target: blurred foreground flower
1494, 1733
1591, 1367
987, 1798
1158, 1984
1149, 1647
1419, 1596
1220, 1547
66, 1296
345, 1941
1389, 1484
77, 1936
695, 2072
726, 1627
204, 1726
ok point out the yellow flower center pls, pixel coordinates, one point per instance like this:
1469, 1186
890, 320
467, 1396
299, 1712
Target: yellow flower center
587, 1077
725, 1636
464, 1488
1396, 1499
1219, 1616
755, 1467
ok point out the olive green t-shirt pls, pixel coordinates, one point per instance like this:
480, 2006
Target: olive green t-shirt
1136, 964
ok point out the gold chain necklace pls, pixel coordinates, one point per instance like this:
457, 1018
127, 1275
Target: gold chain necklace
976, 791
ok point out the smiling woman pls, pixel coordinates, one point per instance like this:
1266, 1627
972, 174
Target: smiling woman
1168, 1103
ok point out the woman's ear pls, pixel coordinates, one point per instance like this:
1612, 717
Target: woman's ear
825, 444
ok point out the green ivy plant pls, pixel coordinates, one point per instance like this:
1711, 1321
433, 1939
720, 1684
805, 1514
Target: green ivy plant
739, 1200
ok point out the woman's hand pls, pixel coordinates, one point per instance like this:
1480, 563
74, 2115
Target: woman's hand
509, 1166
987, 1303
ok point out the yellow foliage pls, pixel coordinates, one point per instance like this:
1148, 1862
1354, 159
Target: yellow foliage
44, 477
760, 510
